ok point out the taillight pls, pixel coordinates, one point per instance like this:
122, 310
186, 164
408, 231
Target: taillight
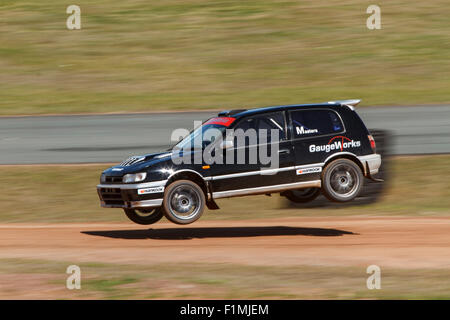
372, 142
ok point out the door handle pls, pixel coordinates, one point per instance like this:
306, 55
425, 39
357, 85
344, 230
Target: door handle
284, 151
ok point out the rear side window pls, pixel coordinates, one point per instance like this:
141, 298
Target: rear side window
310, 123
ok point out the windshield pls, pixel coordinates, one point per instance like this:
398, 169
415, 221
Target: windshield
204, 135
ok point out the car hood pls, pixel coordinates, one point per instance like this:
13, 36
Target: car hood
137, 163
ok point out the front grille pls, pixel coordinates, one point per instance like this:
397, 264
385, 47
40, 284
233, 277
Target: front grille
109, 179
111, 196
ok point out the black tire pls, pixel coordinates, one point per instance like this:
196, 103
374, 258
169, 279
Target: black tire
302, 195
184, 202
144, 216
342, 180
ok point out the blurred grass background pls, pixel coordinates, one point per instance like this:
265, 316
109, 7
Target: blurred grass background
215, 281
66, 193
146, 56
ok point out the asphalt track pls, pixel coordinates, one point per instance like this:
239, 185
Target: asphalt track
111, 138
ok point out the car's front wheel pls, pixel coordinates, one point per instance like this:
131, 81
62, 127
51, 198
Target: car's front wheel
144, 216
302, 195
184, 202
342, 180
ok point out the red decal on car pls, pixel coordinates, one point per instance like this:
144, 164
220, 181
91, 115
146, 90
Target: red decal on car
342, 142
224, 121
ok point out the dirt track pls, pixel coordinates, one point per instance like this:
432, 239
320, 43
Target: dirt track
385, 241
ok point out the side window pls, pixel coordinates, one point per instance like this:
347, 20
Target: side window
309, 123
252, 126
272, 121
247, 126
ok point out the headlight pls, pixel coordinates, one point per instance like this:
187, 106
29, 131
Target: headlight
103, 178
134, 177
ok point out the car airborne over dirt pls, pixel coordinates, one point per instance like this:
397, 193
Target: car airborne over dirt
298, 151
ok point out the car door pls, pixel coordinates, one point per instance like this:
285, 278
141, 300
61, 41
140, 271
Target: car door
247, 173
313, 133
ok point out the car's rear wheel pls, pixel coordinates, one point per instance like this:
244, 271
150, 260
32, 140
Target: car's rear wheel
302, 195
144, 216
184, 202
342, 180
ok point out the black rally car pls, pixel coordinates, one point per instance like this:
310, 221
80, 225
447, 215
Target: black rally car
319, 148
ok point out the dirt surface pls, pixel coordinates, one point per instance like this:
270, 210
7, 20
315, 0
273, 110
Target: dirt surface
385, 241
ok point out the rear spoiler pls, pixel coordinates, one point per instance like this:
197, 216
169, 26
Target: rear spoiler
349, 103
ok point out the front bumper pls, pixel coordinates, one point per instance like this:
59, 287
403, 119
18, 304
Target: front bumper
130, 196
372, 163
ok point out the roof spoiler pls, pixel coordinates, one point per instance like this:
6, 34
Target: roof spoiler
349, 103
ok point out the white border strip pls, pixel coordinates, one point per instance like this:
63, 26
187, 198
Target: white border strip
266, 189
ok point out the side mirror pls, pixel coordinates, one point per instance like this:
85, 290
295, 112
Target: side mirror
226, 144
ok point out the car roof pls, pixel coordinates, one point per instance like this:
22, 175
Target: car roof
238, 113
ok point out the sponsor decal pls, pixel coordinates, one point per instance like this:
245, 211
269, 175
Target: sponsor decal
335, 143
224, 121
151, 190
117, 169
132, 160
309, 170
302, 130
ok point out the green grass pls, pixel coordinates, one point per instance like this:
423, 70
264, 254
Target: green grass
144, 56
219, 281
66, 193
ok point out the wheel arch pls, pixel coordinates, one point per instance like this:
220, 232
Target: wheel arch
346, 155
187, 174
